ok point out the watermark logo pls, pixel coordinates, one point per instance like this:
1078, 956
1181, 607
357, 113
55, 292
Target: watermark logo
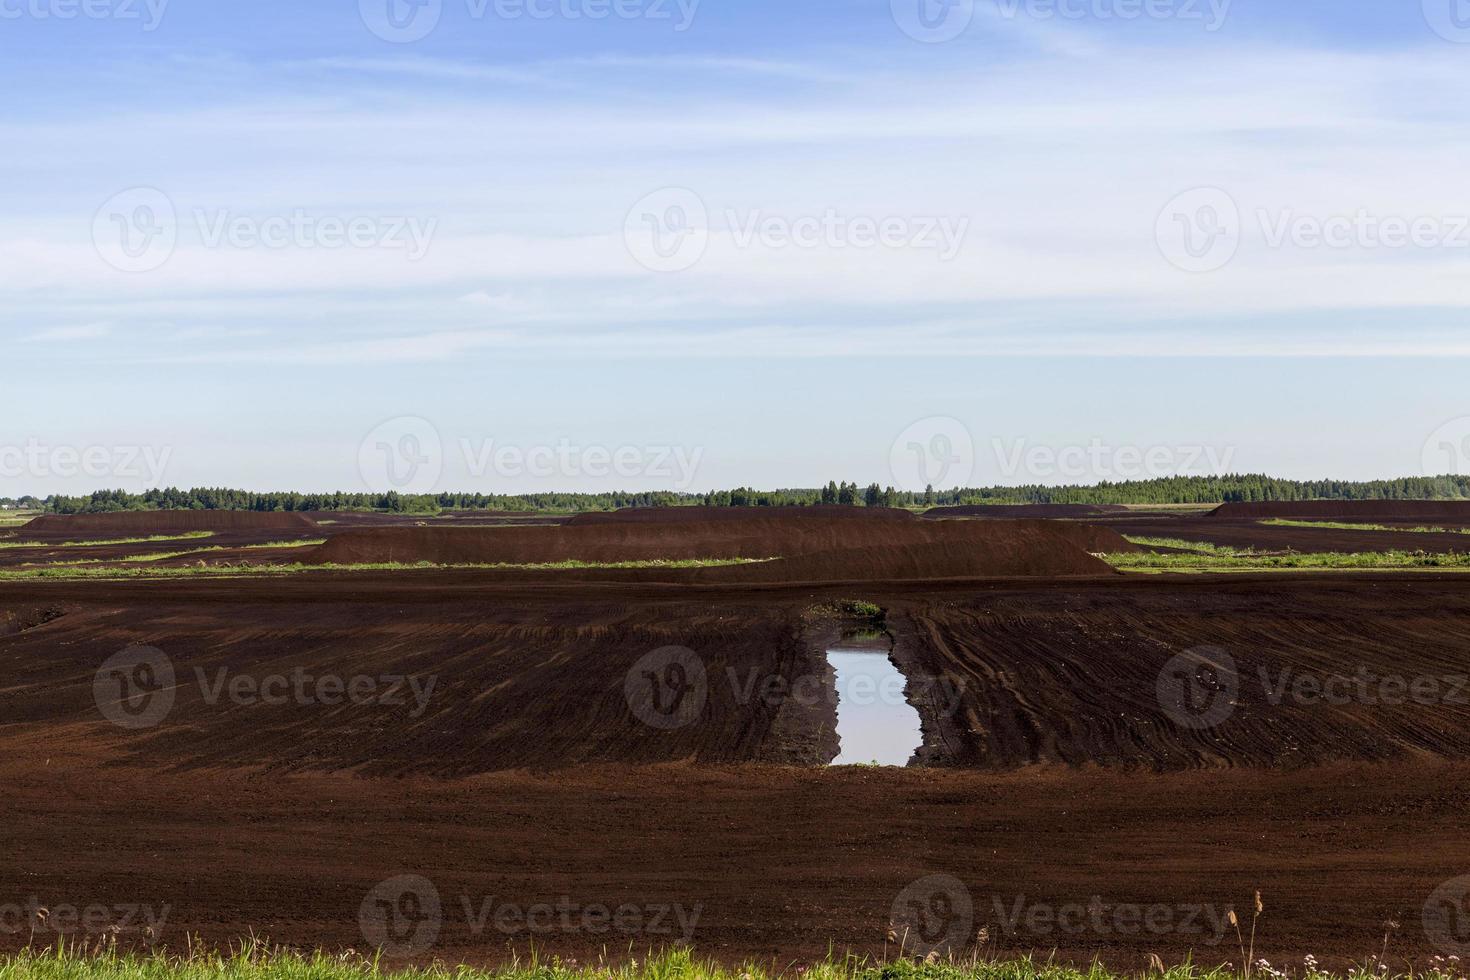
138, 688
66, 918
668, 688
1447, 917
409, 691
1447, 450
937, 451
933, 21
1210, 14
404, 454
136, 230
402, 916
1362, 229
139, 229
148, 13
135, 689
1099, 460
835, 231
401, 21
1365, 688
668, 230
671, 465
1198, 688
943, 695
304, 229
1450, 19
1199, 230
1020, 918
935, 915
39, 460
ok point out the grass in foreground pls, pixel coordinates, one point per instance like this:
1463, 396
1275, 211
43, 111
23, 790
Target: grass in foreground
1201, 556
1342, 526
96, 571
186, 536
308, 543
1197, 547
258, 963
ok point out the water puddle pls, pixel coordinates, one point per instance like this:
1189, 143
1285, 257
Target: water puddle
874, 721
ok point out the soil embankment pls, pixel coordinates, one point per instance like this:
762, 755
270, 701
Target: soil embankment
1454, 511
794, 546
149, 522
1027, 510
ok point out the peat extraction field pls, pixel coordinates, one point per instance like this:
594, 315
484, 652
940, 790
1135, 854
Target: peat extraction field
464, 740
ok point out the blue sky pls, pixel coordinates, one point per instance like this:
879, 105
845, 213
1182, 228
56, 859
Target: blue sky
791, 241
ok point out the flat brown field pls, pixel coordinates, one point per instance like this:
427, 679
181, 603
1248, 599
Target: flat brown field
1054, 777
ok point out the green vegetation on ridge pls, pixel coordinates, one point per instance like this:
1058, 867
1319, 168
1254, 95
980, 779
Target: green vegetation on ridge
144, 567
1232, 488
113, 542
1201, 556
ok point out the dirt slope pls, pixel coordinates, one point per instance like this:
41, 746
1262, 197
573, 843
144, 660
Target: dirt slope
699, 515
1456, 511
1057, 726
811, 547
1026, 510
161, 521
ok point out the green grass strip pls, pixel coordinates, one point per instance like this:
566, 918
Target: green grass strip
1203, 561
97, 570
254, 963
188, 536
1198, 547
1341, 526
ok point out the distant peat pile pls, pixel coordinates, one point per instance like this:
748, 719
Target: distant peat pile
145, 522
807, 544
1400, 511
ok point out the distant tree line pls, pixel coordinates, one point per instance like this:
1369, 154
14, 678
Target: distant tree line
1168, 490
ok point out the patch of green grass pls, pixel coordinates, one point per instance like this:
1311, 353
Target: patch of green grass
187, 536
97, 570
309, 543
1210, 562
256, 963
1343, 526
1199, 547
849, 609
129, 560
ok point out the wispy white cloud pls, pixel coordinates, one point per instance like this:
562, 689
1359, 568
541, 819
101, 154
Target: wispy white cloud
1058, 161
85, 331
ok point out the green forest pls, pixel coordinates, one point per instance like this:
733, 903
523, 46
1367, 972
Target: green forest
1168, 490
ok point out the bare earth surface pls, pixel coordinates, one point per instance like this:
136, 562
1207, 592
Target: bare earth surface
498, 752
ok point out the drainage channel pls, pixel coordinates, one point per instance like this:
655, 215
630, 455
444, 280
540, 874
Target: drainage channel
875, 723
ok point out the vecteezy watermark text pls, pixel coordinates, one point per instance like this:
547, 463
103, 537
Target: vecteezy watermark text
669, 230
831, 229
1101, 460
404, 915
938, 914
937, 21
1202, 688
38, 460
407, 21
139, 229
676, 464
669, 688
1203, 229
94, 919
138, 688
147, 13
